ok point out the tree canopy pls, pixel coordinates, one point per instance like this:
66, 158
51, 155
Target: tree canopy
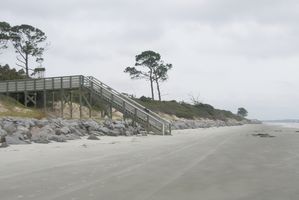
242, 112
27, 41
4, 34
149, 66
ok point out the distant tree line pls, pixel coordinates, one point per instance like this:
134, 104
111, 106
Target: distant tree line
6, 73
27, 41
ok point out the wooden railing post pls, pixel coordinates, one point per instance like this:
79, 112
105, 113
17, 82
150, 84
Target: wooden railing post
45, 96
71, 80
7, 87
53, 84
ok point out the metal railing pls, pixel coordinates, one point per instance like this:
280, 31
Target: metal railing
127, 105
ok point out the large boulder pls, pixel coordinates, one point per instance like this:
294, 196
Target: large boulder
39, 135
57, 138
40, 138
72, 137
98, 133
9, 126
2, 132
104, 130
63, 131
93, 137
91, 125
77, 131
15, 138
115, 132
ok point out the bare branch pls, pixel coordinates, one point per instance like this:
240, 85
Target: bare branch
19, 52
21, 60
20, 65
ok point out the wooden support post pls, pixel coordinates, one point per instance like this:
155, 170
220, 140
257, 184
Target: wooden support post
53, 100
25, 99
147, 124
45, 97
45, 101
62, 103
7, 83
34, 99
80, 102
25, 94
90, 104
110, 111
135, 117
124, 110
71, 104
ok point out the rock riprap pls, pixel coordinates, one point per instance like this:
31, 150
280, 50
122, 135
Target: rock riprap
25, 130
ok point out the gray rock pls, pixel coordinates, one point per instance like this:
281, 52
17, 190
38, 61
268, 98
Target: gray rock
2, 132
57, 138
47, 130
78, 132
98, 133
41, 123
119, 126
9, 127
72, 137
93, 137
40, 137
104, 130
26, 122
129, 133
15, 138
64, 130
91, 125
115, 132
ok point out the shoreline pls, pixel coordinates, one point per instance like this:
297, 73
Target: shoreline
18, 131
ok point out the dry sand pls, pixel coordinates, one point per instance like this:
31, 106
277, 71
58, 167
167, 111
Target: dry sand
210, 164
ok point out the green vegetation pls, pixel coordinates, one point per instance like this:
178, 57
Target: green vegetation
186, 110
11, 107
6, 73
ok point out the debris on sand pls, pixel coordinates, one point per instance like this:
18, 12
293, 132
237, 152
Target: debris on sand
263, 135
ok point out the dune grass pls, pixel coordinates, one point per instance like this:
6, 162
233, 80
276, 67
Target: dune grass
188, 111
9, 107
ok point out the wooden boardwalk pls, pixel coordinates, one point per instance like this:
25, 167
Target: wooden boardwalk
90, 90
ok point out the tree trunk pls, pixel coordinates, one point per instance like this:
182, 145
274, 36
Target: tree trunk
152, 88
26, 65
152, 84
158, 89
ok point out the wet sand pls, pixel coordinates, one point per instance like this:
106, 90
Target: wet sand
246, 162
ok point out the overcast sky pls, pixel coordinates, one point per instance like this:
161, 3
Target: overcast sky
229, 53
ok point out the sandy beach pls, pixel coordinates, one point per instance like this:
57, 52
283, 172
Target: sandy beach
243, 162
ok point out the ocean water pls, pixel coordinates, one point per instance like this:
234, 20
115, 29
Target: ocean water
284, 124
